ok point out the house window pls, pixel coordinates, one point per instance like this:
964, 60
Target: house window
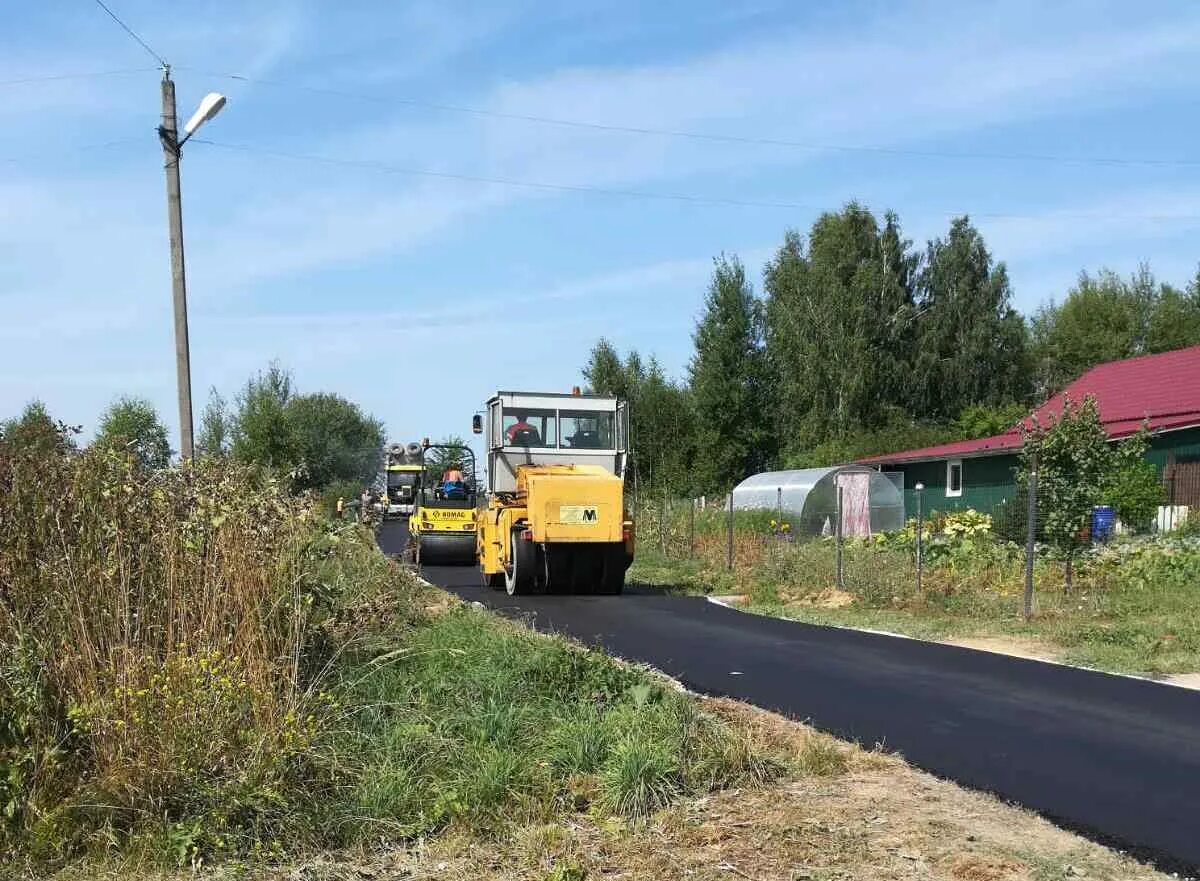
953, 478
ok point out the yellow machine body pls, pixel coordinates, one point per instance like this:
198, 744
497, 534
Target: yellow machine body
555, 518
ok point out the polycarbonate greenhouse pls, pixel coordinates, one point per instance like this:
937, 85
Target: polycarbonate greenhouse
808, 499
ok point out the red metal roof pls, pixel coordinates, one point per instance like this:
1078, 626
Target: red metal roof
1162, 390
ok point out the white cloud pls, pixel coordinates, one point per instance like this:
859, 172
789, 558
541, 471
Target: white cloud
896, 82
1139, 215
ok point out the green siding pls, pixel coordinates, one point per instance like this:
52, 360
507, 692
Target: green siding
990, 481
1184, 444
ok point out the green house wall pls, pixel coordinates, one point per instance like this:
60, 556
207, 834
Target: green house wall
987, 481
1184, 444
990, 481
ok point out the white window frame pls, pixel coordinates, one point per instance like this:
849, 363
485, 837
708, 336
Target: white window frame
954, 493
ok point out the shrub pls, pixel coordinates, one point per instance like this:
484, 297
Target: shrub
158, 644
1135, 491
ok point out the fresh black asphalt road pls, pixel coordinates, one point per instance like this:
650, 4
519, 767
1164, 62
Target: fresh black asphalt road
1115, 757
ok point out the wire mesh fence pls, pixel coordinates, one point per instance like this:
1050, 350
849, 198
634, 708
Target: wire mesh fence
1023, 545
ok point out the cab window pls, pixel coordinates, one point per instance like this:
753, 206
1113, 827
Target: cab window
530, 428
587, 430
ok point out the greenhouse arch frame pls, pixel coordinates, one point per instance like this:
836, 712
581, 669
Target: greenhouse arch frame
807, 499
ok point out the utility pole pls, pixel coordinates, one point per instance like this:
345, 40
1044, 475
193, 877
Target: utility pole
169, 135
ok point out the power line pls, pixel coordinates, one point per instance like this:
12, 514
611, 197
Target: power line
726, 138
74, 148
386, 168
372, 165
74, 76
131, 33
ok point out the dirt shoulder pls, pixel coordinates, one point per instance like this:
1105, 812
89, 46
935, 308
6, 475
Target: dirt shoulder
860, 816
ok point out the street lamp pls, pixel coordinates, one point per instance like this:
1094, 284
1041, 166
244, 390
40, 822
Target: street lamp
168, 133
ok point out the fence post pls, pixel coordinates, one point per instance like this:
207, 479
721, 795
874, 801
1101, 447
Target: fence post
662, 527
729, 542
1030, 530
920, 488
841, 581
691, 528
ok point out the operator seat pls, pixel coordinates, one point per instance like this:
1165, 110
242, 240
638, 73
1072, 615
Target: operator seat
585, 440
526, 437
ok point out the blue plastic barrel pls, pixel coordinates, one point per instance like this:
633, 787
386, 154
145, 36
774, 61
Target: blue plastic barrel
1103, 521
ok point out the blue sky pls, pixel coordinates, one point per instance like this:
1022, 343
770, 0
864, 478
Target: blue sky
418, 295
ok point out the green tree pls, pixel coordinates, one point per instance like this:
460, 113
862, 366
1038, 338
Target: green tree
839, 327
315, 438
332, 440
972, 342
36, 432
982, 420
1073, 462
132, 426
1106, 318
259, 428
663, 428
604, 372
898, 434
1175, 321
662, 422
214, 426
728, 381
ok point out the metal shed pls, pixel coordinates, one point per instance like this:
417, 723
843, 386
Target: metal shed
808, 497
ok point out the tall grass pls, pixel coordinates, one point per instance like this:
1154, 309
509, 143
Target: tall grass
156, 634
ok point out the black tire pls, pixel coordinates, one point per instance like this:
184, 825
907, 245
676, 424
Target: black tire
494, 581
612, 570
523, 576
559, 568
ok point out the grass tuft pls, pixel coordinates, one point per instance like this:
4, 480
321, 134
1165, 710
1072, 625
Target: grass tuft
640, 776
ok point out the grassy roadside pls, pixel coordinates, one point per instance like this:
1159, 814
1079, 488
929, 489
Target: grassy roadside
196, 669
199, 676
838, 813
1135, 607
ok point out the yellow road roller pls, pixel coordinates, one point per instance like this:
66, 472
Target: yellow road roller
554, 519
403, 469
442, 523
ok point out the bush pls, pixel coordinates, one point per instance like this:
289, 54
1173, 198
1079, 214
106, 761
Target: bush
346, 490
1135, 492
159, 643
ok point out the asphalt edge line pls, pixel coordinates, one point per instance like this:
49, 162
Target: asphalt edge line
720, 601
